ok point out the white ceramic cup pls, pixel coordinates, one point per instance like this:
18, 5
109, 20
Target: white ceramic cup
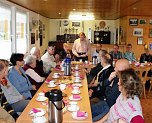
62, 86
76, 88
76, 73
86, 61
73, 105
76, 67
41, 94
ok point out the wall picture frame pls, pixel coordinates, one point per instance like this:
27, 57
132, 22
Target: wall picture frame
75, 24
150, 21
142, 21
133, 21
150, 33
138, 32
140, 40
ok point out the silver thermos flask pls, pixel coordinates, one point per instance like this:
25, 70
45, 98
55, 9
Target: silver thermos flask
94, 60
67, 66
55, 106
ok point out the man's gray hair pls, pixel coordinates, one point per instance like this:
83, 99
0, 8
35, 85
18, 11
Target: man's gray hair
34, 50
29, 59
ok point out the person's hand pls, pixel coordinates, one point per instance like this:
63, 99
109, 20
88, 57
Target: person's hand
34, 87
112, 75
90, 92
84, 55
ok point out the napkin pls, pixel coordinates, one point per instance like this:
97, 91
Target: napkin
75, 96
81, 76
35, 110
81, 114
47, 80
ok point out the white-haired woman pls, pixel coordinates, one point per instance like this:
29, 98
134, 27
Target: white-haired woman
39, 63
34, 77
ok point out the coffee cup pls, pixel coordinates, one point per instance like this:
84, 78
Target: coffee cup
76, 67
76, 88
41, 94
76, 73
73, 105
86, 62
62, 86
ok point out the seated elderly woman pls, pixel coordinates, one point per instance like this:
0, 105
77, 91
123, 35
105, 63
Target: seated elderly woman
127, 108
6, 110
13, 97
18, 78
34, 77
39, 63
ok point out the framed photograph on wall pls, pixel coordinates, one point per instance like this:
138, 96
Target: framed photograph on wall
139, 40
138, 32
76, 24
150, 21
150, 33
142, 21
133, 21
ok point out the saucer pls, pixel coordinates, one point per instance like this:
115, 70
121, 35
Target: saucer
52, 86
75, 92
55, 77
77, 84
70, 108
77, 80
73, 99
41, 98
75, 116
38, 112
39, 120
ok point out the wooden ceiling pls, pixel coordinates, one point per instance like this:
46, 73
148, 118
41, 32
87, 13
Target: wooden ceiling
102, 9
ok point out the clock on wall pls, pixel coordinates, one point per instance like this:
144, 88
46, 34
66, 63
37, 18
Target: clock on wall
65, 23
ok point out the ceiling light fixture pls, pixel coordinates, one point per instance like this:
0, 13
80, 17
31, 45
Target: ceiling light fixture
74, 9
81, 17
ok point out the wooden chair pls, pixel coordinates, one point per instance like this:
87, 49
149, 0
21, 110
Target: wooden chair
143, 72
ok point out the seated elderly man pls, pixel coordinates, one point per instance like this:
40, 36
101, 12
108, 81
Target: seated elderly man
97, 86
49, 61
96, 52
35, 78
39, 63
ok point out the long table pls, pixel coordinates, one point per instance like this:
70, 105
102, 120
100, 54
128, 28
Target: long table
84, 103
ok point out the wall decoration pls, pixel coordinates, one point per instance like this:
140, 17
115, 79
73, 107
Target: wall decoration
65, 23
150, 33
150, 46
133, 21
142, 21
32, 38
139, 40
76, 24
150, 21
138, 32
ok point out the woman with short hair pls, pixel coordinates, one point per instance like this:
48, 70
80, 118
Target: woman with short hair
18, 77
34, 77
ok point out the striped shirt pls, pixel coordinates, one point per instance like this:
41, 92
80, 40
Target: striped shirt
5, 105
125, 110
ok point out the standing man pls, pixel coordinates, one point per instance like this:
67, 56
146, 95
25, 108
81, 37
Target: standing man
81, 47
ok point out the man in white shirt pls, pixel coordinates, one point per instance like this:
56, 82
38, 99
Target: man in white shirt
96, 52
48, 59
81, 47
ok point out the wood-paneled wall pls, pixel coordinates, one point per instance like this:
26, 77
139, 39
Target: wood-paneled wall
127, 33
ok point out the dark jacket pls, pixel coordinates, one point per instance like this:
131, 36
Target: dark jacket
145, 57
99, 91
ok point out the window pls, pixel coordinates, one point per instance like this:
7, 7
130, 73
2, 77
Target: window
5, 32
21, 31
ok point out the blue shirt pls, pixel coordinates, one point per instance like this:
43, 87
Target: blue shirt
20, 82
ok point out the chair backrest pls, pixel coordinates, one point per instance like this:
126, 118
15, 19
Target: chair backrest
143, 72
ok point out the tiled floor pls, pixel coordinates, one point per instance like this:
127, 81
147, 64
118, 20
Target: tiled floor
147, 107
